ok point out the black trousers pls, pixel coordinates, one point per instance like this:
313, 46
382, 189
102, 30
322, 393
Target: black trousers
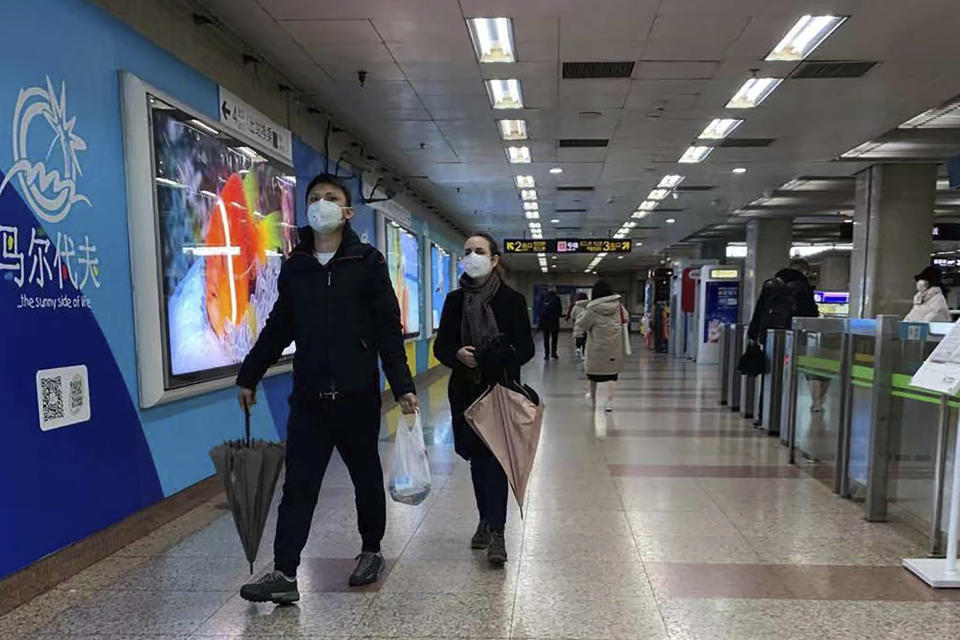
351, 425
550, 334
491, 490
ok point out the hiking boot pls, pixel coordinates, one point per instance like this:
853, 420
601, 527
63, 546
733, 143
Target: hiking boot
481, 539
497, 549
369, 569
273, 587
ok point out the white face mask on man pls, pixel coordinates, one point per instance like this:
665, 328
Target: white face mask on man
477, 265
922, 286
325, 216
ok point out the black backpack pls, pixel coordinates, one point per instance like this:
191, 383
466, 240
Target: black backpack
780, 304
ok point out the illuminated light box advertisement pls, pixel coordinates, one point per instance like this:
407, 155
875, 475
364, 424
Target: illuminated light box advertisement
440, 263
403, 262
223, 220
581, 245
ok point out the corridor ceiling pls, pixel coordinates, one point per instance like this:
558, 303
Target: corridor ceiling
424, 109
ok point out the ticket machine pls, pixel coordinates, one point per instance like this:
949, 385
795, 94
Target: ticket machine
718, 303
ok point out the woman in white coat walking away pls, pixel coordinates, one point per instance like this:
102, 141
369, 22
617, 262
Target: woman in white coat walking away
930, 302
576, 310
603, 321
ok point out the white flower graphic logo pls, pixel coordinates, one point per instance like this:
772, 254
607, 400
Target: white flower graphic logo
50, 192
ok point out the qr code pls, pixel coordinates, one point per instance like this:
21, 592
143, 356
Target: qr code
51, 394
76, 394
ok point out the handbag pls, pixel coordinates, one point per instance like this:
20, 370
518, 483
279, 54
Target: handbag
627, 349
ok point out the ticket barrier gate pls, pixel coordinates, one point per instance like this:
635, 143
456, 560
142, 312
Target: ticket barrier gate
774, 382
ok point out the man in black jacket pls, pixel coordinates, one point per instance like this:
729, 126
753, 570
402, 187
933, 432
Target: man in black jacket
551, 308
336, 302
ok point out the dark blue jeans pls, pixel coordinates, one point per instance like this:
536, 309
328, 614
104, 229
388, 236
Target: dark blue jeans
491, 490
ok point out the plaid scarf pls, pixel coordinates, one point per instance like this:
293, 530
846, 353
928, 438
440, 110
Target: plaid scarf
478, 324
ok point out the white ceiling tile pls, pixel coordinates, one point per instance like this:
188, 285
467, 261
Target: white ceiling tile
567, 155
536, 28
572, 50
468, 87
686, 39
675, 69
461, 71
310, 33
445, 51
453, 29
359, 9
537, 51
467, 173
594, 94
598, 24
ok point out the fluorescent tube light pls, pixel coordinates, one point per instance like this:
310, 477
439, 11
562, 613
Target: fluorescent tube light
524, 182
805, 36
753, 92
555, 221
671, 220
250, 154
556, 170
670, 181
167, 182
513, 129
532, 215
640, 215
658, 194
531, 206
492, 39
528, 194
203, 126
695, 154
648, 205
739, 170
518, 155
720, 128
505, 94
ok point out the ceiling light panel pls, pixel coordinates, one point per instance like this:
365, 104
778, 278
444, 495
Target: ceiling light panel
720, 128
493, 39
532, 215
528, 194
648, 205
525, 182
513, 129
695, 154
531, 206
658, 194
945, 117
670, 181
753, 92
505, 94
805, 36
518, 155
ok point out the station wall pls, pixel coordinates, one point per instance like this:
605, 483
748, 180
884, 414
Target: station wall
66, 293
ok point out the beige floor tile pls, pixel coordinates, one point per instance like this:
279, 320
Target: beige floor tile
411, 615
588, 616
688, 619
624, 576
452, 576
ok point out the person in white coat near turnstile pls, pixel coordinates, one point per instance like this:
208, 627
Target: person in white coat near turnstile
603, 321
930, 302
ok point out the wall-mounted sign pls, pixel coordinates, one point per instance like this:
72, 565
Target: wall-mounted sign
568, 245
249, 123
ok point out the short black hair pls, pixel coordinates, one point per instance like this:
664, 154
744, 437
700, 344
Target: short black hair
329, 178
601, 290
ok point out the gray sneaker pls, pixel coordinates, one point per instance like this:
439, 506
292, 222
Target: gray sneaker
481, 539
369, 569
497, 551
273, 587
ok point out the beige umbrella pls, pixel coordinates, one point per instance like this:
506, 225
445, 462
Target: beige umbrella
508, 419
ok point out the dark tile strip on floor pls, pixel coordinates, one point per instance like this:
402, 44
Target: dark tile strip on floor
702, 471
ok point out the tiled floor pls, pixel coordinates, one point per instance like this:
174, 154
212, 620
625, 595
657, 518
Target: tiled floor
669, 518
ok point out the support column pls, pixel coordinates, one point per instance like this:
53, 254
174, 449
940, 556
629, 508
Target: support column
892, 236
768, 251
714, 252
834, 272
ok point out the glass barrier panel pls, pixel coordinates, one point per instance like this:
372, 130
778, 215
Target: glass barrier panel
818, 402
861, 412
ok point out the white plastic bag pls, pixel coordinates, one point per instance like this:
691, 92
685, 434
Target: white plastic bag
625, 329
409, 481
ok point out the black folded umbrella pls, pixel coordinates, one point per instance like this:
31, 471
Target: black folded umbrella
250, 469
753, 362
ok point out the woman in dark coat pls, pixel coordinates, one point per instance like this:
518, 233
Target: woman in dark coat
484, 333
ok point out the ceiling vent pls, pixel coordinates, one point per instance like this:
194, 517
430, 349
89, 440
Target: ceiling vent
694, 187
585, 70
574, 188
571, 143
570, 210
569, 228
746, 142
833, 69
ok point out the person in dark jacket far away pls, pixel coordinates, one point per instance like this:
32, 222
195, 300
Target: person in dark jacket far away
337, 304
786, 296
484, 336
551, 309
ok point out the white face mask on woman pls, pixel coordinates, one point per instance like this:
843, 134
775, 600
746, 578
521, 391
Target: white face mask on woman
477, 265
922, 286
325, 216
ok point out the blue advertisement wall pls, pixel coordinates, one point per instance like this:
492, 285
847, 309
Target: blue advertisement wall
65, 286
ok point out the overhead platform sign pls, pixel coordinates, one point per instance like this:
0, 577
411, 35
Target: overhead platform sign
569, 245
